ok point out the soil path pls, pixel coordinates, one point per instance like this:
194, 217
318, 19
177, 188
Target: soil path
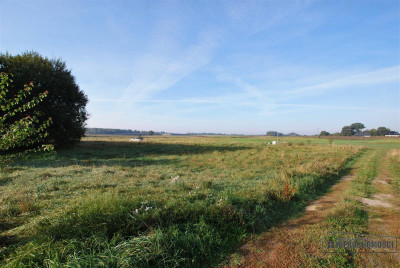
279, 246
384, 217
295, 242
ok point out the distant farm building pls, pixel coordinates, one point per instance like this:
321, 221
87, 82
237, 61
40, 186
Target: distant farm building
362, 134
393, 134
136, 139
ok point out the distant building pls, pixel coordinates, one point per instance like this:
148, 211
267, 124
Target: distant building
139, 139
393, 134
362, 134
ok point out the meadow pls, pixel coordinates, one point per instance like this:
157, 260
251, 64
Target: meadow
164, 202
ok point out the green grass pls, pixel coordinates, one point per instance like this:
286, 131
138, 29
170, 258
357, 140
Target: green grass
349, 217
394, 167
111, 203
372, 142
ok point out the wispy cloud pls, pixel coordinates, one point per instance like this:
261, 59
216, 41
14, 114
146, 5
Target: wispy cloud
238, 103
157, 71
335, 107
381, 76
250, 96
246, 15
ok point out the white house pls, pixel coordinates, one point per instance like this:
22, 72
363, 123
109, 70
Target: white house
136, 139
392, 134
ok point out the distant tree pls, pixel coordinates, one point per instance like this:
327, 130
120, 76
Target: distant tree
324, 133
150, 133
65, 102
356, 127
108, 131
274, 133
20, 135
373, 132
382, 131
347, 131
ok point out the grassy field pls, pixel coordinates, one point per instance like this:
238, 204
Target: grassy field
165, 202
365, 201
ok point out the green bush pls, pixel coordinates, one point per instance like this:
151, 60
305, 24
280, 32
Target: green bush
65, 102
21, 131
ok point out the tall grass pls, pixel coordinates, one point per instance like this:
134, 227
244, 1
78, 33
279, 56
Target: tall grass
394, 167
163, 203
350, 216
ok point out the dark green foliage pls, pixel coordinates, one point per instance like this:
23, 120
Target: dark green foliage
20, 134
324, 133
347, 131
382, 131
65, 102
352, 129
373, 132
357, 127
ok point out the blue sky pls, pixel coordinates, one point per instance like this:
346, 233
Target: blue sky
221, 66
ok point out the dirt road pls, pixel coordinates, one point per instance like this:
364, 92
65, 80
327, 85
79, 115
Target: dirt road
366, 201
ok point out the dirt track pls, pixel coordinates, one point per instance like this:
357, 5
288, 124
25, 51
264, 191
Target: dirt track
295, 242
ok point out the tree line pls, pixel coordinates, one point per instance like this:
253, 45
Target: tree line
279, 134
355, 128
113, 131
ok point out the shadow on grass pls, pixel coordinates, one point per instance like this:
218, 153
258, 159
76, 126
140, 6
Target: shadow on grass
9, 240
198, 234
126, 154
5, 180
298, 205
5, 226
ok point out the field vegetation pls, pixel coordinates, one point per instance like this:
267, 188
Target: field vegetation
394, 167
164, 202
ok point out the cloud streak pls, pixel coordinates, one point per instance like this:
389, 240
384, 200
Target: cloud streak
376, 77
236, 103
155, 72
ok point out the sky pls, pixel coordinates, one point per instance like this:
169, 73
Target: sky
243, 67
